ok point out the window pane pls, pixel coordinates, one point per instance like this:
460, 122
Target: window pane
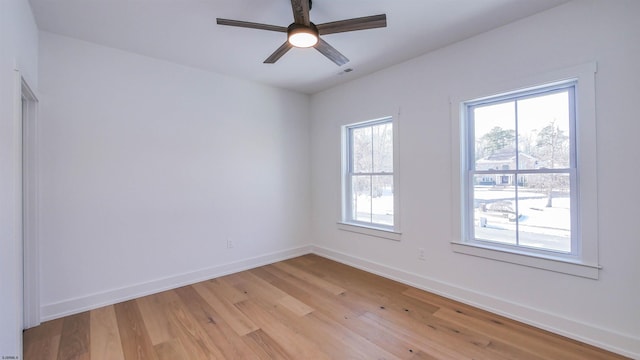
361, 150
494, 209
361, 198
382, 201
543, 131
495, 136
544, 204
383, 148
370, 173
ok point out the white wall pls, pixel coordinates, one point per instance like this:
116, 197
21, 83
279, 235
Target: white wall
149, 167
604, 312
18, 51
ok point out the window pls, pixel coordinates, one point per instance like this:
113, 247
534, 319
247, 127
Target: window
527, 175
521, 169
368, 175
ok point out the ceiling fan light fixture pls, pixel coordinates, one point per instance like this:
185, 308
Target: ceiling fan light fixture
302, 36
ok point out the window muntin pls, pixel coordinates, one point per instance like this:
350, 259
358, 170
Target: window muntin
369, 186
521, 170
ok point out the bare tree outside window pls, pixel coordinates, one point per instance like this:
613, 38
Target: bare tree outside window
552, 148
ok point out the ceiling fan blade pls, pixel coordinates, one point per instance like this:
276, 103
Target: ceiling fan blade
301, 12
331, 53
361, 23
278, 53
252, 25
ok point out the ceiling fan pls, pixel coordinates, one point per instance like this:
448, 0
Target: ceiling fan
303, 33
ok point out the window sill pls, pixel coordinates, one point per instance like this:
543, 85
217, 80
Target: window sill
370, 231
555, 264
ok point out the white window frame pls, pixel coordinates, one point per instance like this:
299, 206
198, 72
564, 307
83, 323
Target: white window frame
366, 228
583, 261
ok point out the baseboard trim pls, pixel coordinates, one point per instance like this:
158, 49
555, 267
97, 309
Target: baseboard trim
623, 344
114, 296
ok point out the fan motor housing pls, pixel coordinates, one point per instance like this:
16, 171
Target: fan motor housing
301, 30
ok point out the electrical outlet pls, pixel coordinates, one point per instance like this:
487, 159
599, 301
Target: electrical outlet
230, 243
421, 254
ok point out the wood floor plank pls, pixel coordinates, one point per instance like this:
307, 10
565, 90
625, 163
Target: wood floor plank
256, 287
375, 303
253, 286
264, 346
497, 332
534, 343
136, 344
104, 335
308, 307
404, 308
295, 345
346, 301
222, 336
42, 342
310, 278
241, 324
327, 303
324, 329
399, 304
74, 340
341, 341
397, 344
44, 331
340, 310
224, 289
425, 343
522, 336
171, 350
345, 313
422, 356
351, 278
336, 342
295, 306
408, 311
153, 310
197, 344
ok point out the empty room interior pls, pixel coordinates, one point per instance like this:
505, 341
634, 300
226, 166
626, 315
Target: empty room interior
422, 180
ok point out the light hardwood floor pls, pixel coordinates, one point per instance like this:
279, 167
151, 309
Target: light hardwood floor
304, 308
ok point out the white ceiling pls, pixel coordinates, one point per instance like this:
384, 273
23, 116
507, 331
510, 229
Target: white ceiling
185, 32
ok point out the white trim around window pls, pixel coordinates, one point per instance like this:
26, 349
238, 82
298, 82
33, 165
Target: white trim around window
583, 259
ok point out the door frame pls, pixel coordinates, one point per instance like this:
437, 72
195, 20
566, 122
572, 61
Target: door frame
30, 195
